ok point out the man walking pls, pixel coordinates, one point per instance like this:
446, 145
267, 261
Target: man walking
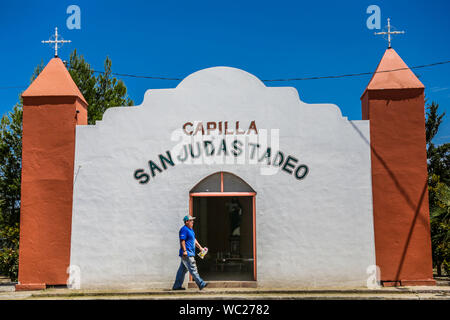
187, 255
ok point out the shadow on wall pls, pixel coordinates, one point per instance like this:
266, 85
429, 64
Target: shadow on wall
406, 197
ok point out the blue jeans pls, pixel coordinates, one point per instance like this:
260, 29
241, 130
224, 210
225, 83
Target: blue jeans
187, 264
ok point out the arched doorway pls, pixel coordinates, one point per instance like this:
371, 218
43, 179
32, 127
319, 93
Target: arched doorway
225, 207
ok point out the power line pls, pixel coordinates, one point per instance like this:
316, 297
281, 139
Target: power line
264, 80
358, 74
137, 76
13, 87
287, 79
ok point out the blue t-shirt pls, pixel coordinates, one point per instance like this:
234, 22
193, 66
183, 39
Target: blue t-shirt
188, 235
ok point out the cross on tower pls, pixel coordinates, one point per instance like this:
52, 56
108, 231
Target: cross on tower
389, 32
56, 41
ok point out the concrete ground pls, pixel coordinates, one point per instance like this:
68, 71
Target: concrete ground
439, 292
399, 293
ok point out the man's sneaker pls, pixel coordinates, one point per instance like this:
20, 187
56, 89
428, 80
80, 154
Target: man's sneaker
204, 286
180, 288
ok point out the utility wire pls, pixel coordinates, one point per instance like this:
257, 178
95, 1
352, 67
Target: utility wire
358, 74
136, 76
288, 79
265, 80
13, 87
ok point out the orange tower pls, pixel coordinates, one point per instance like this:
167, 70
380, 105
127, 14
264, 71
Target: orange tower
394, 104
52, 107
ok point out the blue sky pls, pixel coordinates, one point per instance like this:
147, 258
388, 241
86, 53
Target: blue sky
270, 39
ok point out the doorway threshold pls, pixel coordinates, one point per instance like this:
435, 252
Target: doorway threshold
226, 284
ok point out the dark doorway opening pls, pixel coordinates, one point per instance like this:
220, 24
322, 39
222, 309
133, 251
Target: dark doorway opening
225, 225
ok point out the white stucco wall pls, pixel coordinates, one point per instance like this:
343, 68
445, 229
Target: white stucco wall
317, 231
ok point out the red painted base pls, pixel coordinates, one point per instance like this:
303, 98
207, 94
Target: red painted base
402, 283
427, 282
390, 283
30, 286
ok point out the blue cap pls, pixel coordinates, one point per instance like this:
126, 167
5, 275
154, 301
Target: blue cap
187, 218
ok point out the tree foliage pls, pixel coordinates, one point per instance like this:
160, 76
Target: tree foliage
10, 174
438, 158
10, 165
102, 91
9, 250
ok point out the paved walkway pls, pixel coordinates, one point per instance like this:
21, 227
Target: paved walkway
398, 293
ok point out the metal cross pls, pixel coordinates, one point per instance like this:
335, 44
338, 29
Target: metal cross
389, 32
56, 41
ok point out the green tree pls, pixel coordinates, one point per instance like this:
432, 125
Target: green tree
438, 159
10, 165
438, 156
9, 250
101, 92
10, 174
440, 225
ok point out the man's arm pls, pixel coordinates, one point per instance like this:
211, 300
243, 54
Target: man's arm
183, 246
198, 245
